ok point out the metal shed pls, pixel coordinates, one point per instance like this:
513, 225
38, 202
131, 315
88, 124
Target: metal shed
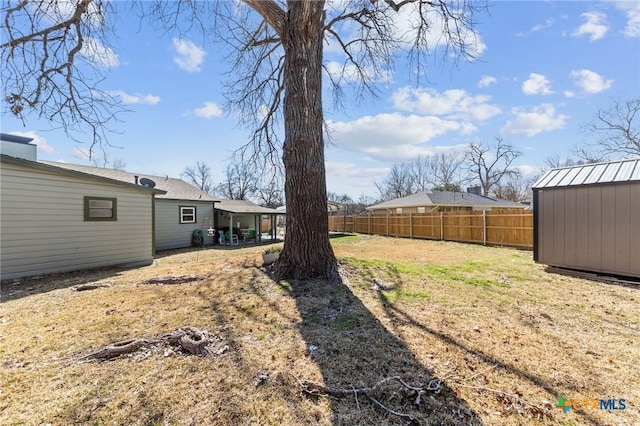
587, 217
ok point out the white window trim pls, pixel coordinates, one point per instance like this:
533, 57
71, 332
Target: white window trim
191, 212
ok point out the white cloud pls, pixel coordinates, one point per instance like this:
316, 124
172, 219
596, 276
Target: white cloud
537, 84
487, 81
452, 104
210, 109
530, 123
98, 54
547, 24
632, 10
595, 26
351, 170
569, 94
38, 140
528, 170
407, 22
393, 137
189, 57
129, 99
590, 82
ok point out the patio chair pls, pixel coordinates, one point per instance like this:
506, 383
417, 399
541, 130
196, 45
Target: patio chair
232, 238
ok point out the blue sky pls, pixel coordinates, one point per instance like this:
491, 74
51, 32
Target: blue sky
544, 69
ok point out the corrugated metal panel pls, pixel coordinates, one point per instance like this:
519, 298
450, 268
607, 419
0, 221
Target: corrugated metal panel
596, 174
590, 174
635, 175
624, 173
568, 178
542, 182
583, 174
609, 173
558, 177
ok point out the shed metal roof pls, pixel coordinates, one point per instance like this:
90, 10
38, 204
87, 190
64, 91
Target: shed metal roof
591, 174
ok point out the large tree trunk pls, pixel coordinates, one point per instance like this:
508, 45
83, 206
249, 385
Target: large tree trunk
307, 252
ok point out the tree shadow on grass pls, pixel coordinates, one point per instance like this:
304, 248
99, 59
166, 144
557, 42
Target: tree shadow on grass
398, 316
19, 288
353, 349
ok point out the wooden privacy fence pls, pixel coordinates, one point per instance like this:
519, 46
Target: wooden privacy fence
503, 228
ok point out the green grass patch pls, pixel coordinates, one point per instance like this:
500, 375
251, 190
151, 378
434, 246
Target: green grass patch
393, 296
347, 321
345, 238
465, 272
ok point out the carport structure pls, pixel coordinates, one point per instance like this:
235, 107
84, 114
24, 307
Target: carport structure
242, 216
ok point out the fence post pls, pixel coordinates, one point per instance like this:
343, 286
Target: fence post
441, 226
369, 223
410, 225
387, 224
484, 227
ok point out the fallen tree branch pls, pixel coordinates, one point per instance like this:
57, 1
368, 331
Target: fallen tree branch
90, 286
191, 340
181, 279
316, 389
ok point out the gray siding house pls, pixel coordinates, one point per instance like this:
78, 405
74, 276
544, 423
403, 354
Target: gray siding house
56, 220
587, 218
181, 209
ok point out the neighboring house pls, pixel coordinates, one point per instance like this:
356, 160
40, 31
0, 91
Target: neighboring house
182, 209
441, 201
587, 217
54, 220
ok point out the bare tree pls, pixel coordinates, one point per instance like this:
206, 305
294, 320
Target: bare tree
449, 173
118, 164
619, 130
514, 188
269, 190
420, 173
398, 183
199, 176
239, 182
491, 164
278, 51
444, 172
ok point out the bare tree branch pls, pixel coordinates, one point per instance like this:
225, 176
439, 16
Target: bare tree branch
491, 166
619, 127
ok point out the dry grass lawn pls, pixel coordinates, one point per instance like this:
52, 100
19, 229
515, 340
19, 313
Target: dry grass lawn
497, 337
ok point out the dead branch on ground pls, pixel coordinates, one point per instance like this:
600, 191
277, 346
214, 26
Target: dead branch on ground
417, 392
189, 340
91, 286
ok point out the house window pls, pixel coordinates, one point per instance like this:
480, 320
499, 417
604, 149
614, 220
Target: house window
100, 209
187, 215
421, 209
399, 210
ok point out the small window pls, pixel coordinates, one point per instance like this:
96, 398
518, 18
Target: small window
100, 209
399, 210
421, 209
187, 215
